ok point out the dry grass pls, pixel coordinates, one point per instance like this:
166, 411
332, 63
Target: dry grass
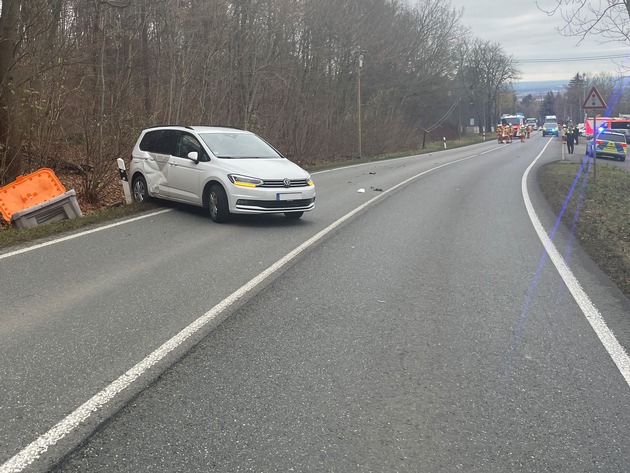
603, 223
110, 207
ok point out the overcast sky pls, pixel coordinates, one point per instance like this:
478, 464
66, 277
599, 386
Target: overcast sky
529, 35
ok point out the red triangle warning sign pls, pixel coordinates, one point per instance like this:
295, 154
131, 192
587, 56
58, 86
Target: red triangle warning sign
593, 100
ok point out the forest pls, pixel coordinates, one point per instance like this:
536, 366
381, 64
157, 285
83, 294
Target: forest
320, 79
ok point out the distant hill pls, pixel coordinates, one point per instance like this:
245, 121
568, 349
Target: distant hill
539, 88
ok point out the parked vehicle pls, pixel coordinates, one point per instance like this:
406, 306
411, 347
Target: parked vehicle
226, 170
620, 125
581, 129
609, 144
515, 121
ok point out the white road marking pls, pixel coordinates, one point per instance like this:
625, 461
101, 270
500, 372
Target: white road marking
594, 317
80, 234
35, 449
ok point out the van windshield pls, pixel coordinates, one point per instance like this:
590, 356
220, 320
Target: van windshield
238, 146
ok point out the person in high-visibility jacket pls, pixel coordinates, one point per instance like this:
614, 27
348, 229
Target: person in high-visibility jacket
568, 134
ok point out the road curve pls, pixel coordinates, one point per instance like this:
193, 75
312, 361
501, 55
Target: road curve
416, 328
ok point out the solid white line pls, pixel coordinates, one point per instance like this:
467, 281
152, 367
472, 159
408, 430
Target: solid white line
594, 317
36, 448
80, 234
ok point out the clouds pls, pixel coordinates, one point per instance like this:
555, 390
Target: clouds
532, 37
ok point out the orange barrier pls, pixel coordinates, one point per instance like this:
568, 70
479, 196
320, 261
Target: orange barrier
28, 191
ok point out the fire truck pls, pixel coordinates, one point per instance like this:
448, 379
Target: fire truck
620, 124
517, 121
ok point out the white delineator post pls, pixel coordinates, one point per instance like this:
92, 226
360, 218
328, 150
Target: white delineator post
124, 180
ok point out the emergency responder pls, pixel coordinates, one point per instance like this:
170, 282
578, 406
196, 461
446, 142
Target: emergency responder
500, 133
570, 138
510, 133
505, 134
528, 129
521, 134
576, 134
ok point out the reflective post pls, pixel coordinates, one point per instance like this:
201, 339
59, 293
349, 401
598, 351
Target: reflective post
124, 180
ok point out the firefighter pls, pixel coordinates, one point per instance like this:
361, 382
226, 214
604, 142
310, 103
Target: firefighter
521, 134
528, 130
510, 133
505, 135
500, 133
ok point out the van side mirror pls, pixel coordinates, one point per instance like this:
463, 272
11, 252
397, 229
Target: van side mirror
194, 157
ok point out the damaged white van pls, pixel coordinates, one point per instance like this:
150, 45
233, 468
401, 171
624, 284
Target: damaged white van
226, 170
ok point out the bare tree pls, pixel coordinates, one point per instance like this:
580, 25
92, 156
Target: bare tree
10, 149
607, 19
485, 71
575, 93
92, 73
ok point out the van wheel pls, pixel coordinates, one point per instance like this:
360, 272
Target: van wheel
218, 205
139, 187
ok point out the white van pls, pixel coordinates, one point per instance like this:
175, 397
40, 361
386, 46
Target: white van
226, 170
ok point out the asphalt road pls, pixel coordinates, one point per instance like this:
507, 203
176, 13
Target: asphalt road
427, 331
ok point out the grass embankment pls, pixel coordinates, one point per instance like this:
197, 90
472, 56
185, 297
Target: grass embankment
603, 224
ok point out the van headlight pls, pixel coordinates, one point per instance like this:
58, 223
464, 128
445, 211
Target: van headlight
244, 181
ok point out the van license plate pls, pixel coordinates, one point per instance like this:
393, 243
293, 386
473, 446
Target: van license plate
289, 196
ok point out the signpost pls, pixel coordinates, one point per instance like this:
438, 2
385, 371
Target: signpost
594, 101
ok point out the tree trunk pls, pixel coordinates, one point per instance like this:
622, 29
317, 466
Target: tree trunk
10, 133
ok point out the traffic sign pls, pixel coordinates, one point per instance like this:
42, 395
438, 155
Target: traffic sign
593, 100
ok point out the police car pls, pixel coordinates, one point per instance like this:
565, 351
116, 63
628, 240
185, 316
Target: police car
609, 144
